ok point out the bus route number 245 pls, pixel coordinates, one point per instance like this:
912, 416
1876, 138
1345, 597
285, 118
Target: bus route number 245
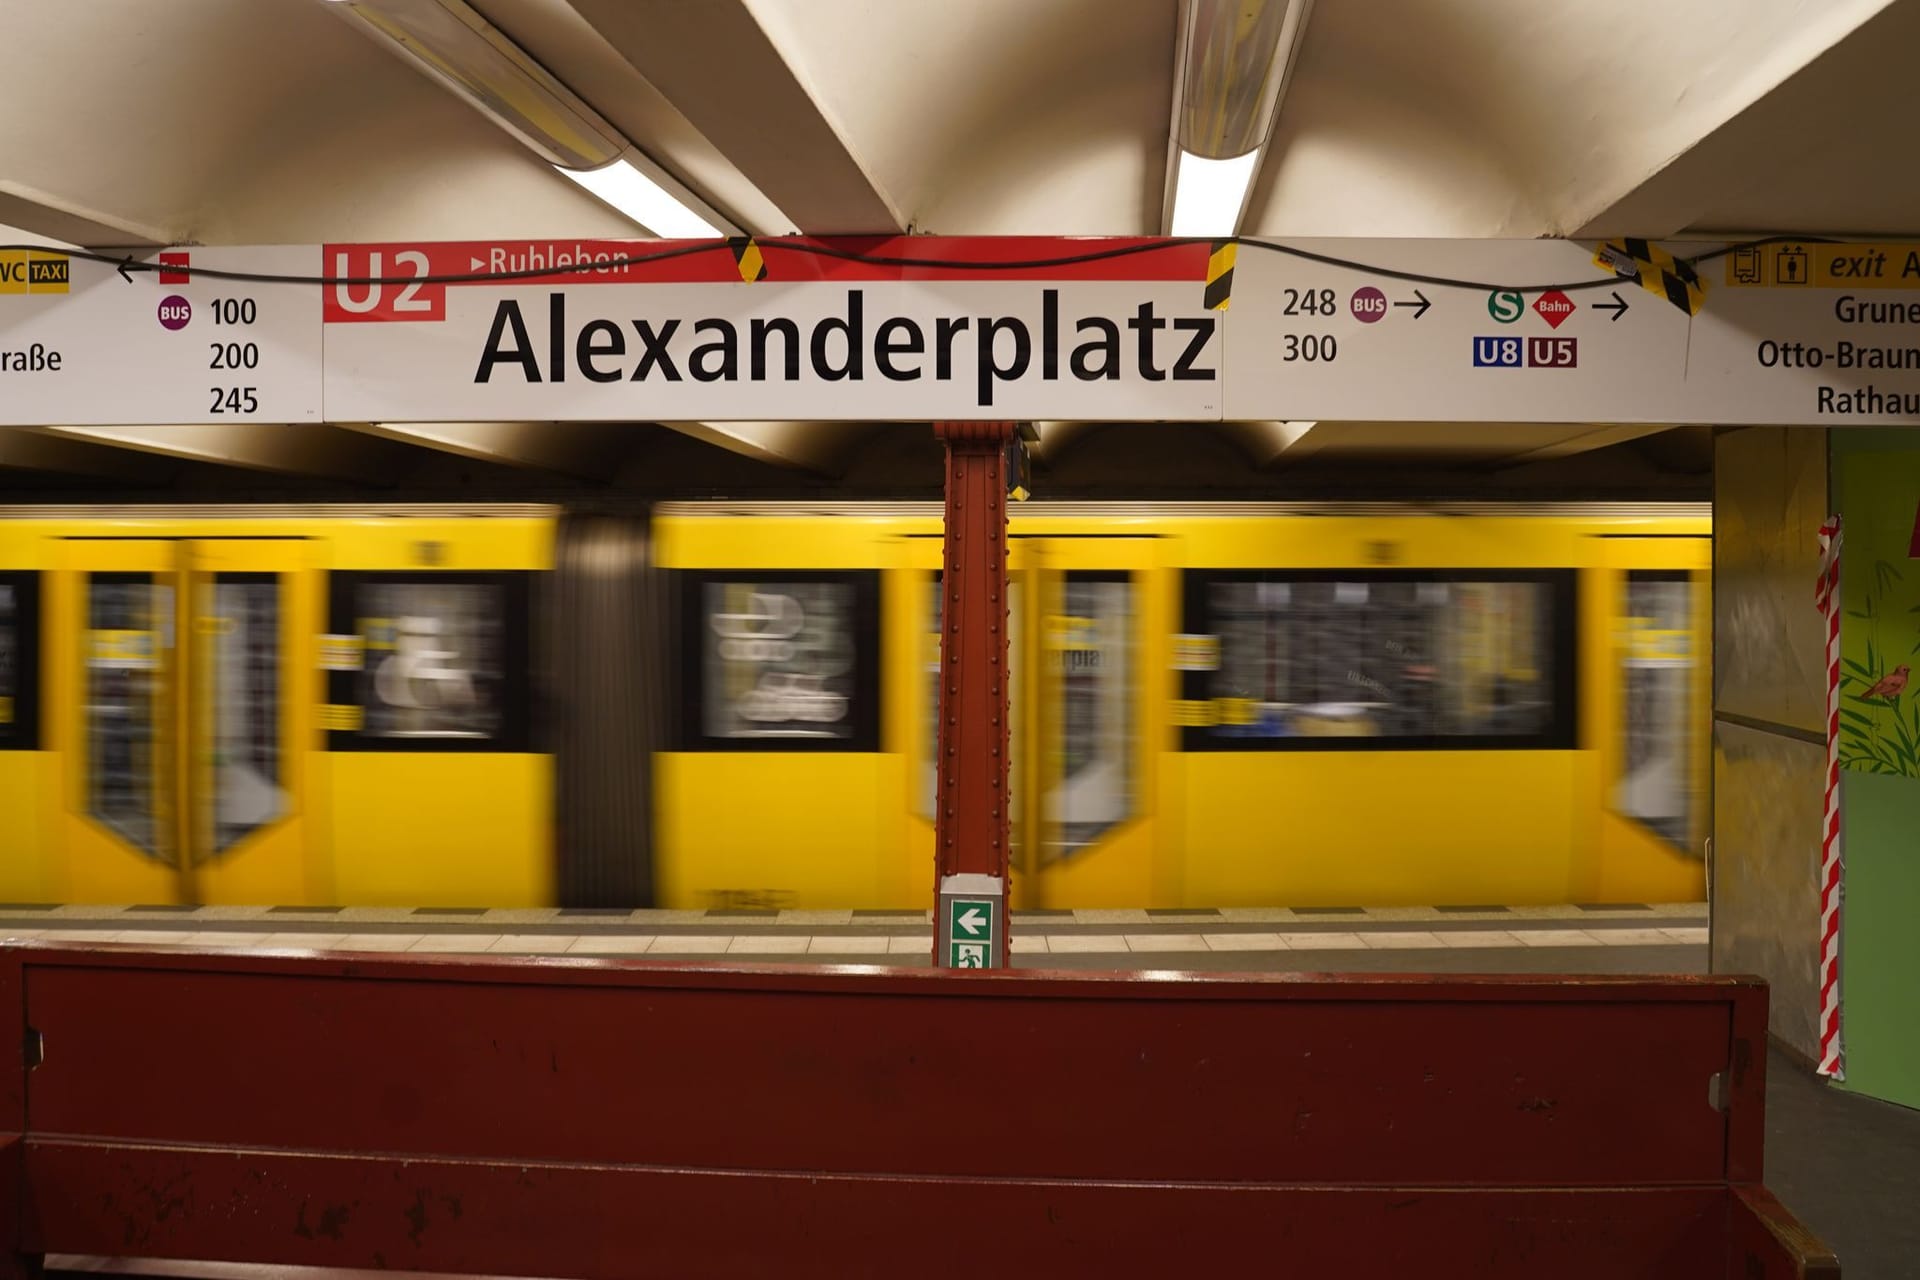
234, 400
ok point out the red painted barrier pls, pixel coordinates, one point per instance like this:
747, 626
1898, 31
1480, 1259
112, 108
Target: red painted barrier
592, 1118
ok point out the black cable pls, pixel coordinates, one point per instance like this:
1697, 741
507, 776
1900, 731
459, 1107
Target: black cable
126, 263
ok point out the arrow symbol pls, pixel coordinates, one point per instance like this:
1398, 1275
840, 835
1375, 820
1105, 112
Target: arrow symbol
1422, 303
124, 264
1618, 306
972, 920
474, 264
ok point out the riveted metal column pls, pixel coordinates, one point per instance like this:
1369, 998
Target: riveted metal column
971, 815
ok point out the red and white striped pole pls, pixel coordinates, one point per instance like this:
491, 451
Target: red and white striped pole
1827, 596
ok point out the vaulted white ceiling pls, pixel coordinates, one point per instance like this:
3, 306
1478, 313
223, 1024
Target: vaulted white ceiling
264, 121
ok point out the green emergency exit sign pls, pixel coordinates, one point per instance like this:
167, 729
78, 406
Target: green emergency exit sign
970, 926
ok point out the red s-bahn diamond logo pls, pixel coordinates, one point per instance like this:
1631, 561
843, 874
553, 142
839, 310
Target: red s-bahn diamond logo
1554, 307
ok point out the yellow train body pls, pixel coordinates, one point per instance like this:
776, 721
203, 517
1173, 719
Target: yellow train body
1207, 828
353, 822
360, 827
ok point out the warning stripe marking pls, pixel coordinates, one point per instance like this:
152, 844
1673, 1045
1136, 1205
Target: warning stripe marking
1658, 271
1220, 258
747, 257
1832, 853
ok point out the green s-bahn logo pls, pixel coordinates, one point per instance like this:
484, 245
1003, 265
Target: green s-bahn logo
1506, 305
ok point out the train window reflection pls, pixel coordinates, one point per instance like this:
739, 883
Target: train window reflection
433, 659
19, 661
245, 659
1330, 660
129, 646
1657, 660
429, 660
9, 651
785, 661
1089, 656
780, 660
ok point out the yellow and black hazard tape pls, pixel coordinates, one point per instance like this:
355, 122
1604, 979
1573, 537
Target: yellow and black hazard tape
1658, 271
746, 256
1219, 295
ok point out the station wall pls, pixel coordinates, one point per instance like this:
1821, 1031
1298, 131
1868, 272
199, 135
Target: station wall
1769, 708
1877, 488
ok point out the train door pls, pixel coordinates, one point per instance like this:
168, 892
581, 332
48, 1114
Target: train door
1655, 720
1081, 780
189, 719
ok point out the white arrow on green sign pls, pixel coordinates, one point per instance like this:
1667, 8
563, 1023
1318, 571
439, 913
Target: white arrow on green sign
970, 926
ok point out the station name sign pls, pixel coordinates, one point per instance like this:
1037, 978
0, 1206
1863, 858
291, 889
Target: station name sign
926, 327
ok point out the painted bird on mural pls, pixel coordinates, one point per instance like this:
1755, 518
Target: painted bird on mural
1889, 686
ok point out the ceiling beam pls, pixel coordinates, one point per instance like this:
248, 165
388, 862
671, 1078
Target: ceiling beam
1266, 442
723, 73
818, 447
34, 450
1776, 119
583, 450
1599, 437
555, 35
54, 218
296, 448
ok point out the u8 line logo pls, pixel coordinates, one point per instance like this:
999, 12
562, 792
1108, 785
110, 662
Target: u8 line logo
1529, 353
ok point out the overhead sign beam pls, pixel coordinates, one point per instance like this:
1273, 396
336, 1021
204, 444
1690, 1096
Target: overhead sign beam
804, 166
572, 449
56, 218
935, 328
303, 449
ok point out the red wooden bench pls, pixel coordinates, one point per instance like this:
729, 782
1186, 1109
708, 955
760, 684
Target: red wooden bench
620, 1119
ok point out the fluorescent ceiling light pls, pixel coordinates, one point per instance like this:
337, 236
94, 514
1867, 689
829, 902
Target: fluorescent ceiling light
456, 46
1209, 194
1231, 70
648, 203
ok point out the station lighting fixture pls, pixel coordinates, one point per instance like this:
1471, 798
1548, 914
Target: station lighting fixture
628, 186
1234, 60
464, 52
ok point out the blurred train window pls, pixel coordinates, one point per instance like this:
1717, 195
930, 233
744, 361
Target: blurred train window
244, 663
444, 661
129, 647
1089, 658
1085, 723
19, 661
1402, 659
1656, 651
782, 661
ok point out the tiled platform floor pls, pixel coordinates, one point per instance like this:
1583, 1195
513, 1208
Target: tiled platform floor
1645, 938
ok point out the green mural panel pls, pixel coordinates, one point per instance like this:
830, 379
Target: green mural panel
1880, 637
1879, 499
1881, 956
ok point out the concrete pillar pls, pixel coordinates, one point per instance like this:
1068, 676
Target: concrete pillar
1769, 717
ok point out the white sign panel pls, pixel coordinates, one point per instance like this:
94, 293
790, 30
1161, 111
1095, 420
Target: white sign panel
924, 328
84, 344
1825, 334
699, 336
1778, 333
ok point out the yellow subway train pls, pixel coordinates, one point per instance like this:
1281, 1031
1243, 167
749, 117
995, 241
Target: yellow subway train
730, 705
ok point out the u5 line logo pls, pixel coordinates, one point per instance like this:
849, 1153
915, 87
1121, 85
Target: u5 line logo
1529, 353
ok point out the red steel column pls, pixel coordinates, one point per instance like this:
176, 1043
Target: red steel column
972, 746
